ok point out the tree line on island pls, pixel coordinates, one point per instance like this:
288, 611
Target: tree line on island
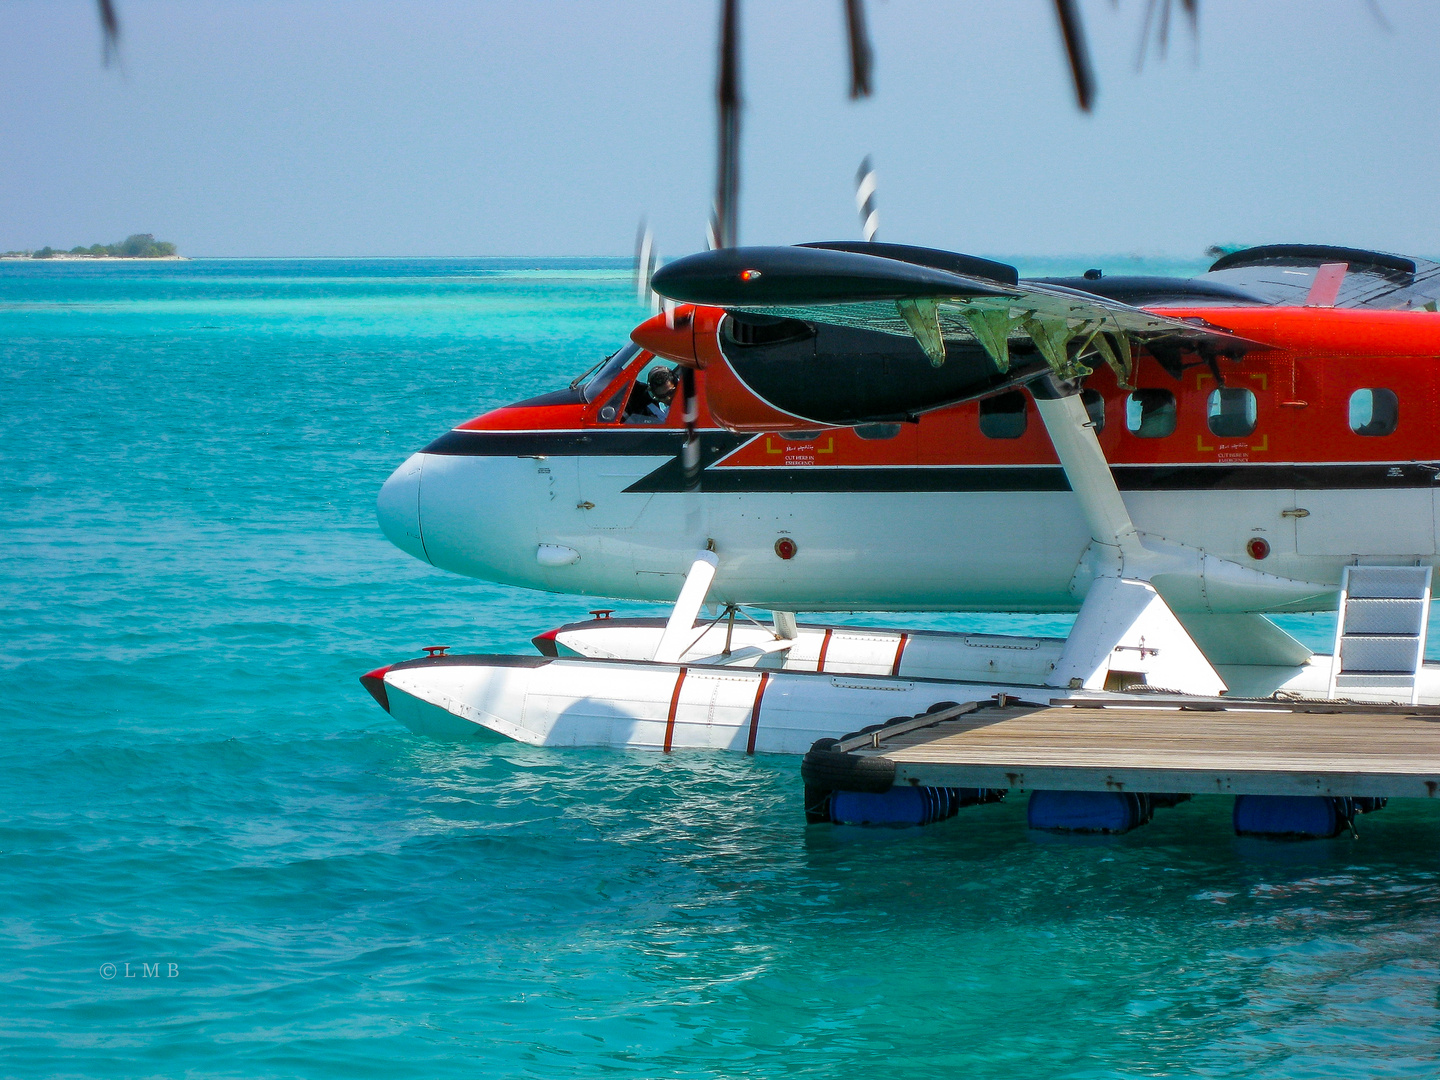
138, 246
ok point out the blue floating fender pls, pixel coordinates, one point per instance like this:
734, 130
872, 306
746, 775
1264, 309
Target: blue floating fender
1087, 811
904, 805
1299, 817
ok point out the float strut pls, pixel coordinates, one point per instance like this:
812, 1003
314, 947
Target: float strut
678, 631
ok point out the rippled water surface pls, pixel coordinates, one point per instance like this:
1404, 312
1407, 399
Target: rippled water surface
196, 787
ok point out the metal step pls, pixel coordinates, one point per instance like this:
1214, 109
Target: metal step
1380, 633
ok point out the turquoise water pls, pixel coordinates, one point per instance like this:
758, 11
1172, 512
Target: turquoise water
194, 780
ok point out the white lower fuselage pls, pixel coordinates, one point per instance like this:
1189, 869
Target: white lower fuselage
1020, 550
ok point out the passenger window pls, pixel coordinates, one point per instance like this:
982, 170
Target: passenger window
1231, 413
654, 391
1003, 416
877, 432
1095, 407
1150, 413
1374, 411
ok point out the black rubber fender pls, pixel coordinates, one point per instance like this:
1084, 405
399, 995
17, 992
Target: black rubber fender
825, 769
817, 806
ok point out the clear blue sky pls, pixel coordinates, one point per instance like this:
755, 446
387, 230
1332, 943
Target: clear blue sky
359, 127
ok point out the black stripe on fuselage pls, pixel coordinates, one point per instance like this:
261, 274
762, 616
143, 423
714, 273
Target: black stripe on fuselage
638, 441
879, 478
667, 442
1052, 478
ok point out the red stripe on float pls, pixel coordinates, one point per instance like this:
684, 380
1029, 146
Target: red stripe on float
824, 648
546, 642
674, 704
899, 652
374, 681
755, 712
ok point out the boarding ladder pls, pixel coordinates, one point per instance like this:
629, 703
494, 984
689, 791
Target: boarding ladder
1380, 635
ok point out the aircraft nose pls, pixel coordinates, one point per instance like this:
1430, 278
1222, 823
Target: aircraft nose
398, 508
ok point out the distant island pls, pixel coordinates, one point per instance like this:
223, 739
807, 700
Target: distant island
138, 246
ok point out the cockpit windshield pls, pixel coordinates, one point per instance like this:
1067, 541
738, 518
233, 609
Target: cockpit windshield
592, 382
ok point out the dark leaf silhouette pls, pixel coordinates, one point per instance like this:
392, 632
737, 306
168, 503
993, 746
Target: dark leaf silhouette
109, 28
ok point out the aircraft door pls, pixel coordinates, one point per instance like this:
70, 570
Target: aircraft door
553, 482
637, 425
1397, 521
1360, 508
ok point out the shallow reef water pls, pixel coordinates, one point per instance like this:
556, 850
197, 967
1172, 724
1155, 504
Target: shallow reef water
218, 857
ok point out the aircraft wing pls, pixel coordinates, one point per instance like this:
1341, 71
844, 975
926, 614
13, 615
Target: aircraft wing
933, 296
1286, 274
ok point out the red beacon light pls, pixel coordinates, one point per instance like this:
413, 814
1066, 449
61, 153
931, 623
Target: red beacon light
786, 548
749, 275
1257, 548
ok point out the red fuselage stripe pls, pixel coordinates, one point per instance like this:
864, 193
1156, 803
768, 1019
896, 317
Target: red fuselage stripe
674, 705
899, 652
755, 712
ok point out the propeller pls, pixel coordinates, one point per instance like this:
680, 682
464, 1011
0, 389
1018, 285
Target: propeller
645, 259
865, 200
1162, 34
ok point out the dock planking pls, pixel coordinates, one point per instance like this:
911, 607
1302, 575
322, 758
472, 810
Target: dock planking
1271, 751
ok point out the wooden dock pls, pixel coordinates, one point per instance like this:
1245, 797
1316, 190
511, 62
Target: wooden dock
1196, 747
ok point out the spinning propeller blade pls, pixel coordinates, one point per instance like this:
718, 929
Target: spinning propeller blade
865, 200
645, 259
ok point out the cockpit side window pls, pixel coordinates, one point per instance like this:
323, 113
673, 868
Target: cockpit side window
595, 381
655, 392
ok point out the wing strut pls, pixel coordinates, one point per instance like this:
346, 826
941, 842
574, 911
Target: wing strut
1125, 632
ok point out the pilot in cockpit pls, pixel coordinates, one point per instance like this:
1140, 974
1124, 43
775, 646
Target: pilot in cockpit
651, 399
662, 384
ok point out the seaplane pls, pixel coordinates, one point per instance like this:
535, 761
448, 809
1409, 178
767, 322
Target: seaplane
868, 427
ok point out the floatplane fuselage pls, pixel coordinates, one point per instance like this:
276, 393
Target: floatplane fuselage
866, 427
1291, 461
